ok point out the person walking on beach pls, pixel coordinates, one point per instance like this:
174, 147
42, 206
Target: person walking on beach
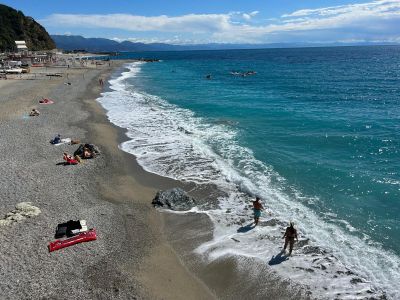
289, 236
101, 81
257, 208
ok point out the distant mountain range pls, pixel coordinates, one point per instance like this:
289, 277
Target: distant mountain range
15, 26
76, 42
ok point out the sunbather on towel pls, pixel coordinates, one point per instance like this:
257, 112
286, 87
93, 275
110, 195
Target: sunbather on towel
69, 159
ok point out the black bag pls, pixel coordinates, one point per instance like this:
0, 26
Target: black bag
66, 229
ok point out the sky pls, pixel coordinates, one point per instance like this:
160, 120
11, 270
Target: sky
220, 21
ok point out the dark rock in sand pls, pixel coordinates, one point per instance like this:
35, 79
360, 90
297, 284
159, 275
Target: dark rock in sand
174, 199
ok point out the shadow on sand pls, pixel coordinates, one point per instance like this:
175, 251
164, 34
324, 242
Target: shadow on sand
64, 163
277, 259
246, 228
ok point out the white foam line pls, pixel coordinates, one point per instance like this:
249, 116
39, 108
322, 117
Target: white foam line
334, 256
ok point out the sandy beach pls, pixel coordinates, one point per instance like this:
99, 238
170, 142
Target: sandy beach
131, 259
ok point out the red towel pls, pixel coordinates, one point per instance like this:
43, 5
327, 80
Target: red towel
80, 238
72, 161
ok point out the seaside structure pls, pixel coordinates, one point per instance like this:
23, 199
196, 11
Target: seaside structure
21, 46
25, 58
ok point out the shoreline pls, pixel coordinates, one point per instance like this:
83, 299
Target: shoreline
223, 277
124, 262
163, 258
228, 275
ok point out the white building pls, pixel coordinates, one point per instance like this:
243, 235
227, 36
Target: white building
21, 46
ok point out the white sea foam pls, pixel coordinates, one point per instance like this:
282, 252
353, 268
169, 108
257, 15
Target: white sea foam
173, 142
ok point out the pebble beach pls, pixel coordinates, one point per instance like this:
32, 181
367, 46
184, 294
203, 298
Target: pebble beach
131, 258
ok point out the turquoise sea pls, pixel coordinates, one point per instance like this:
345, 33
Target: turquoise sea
315, 132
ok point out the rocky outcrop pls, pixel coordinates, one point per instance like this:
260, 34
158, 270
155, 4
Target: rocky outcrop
174, 199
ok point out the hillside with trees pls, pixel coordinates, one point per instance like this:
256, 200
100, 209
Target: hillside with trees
15, 26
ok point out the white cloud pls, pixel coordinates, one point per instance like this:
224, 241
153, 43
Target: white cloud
377, 6
249, 16
186, 23
374, 20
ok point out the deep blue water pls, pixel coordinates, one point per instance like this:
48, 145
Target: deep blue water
326, 119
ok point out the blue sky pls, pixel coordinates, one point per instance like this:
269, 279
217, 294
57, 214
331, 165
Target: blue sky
223, 21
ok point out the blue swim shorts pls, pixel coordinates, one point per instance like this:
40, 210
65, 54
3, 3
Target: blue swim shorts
257, 213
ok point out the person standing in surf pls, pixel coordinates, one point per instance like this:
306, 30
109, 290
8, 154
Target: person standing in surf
289, 236
257, 208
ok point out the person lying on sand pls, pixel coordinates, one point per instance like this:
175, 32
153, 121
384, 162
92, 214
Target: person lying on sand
69, 160
289, 236
87, 153
34, 112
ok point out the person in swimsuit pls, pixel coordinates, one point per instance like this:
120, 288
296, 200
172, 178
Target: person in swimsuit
289, 236
257, 208
69, 160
